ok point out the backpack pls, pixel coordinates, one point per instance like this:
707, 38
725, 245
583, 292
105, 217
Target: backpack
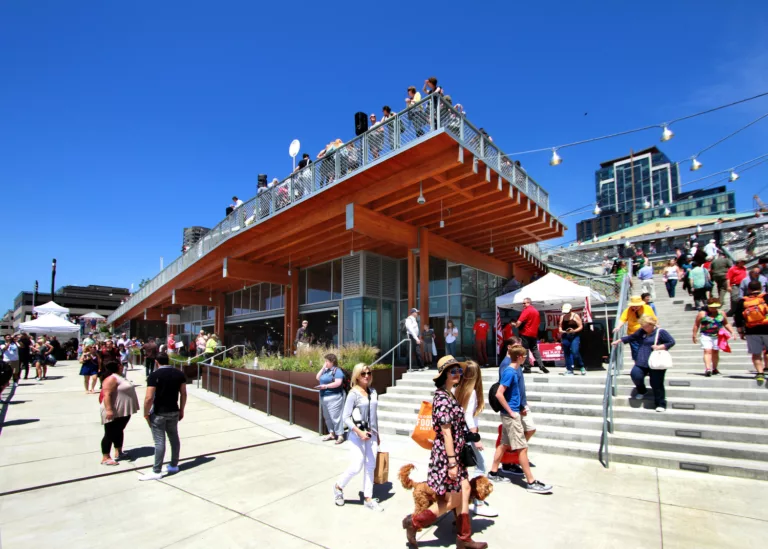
345, 383
755, 311
492, 400
403, 329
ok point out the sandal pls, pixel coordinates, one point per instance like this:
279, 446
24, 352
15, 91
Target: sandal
339, 440
111, 462
329, 437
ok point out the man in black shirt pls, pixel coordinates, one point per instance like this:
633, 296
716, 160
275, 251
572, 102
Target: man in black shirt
150, 354
163, 409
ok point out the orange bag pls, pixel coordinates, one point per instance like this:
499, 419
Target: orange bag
510, 456
424, 434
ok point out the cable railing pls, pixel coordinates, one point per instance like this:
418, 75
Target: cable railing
428, 117
615, 366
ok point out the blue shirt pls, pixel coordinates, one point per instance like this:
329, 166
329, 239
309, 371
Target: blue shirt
646, 273
507, 362
327, 377
510, 378
645, 342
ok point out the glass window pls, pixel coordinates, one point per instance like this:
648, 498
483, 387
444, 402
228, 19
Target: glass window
468, 317
337, 280
371, 321
403, 279
438, 284
482, 289
303, 287
454, 279
237, 308
228, 305
319, 283
468, 280
353, 320
388, 324
438, 305
276, 302
255, 291
264, 298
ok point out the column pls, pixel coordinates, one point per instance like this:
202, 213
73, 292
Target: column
294, 312
218, 320
424, 275
411, 280
287, 328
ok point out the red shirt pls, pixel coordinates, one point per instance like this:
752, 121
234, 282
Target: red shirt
529, 322
481, 328
507, 332
736, 274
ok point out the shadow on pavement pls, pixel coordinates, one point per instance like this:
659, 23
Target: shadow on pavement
199, 460
140, 452
18, 422
445, 533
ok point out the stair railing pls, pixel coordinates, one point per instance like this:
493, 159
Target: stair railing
615, 366
392, 352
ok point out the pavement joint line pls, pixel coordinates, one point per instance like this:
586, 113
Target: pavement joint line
661, 519
133, 469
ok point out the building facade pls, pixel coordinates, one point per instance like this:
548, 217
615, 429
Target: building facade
79, 300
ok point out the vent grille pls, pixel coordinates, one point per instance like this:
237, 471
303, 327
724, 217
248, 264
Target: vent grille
372, 275
350, 276
389, 279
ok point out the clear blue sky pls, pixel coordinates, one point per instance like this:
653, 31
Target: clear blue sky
123, 122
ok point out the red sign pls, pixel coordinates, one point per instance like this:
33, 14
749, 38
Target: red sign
551, 352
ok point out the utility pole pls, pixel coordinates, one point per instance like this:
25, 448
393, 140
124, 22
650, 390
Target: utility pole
53, 277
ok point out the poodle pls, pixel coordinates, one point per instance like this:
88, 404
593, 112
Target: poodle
424, 496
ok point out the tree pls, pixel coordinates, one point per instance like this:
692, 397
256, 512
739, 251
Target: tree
143, 282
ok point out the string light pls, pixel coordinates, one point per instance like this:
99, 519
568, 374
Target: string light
695, 164
666, 134
555, 160
733, 177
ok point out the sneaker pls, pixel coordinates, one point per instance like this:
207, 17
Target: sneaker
481, 508
760, 378
708, 373
639, 396
715, 372
338, 496
583, 371
497, 477
151, 476
661, 409
567, 373
513, 468
373, 505
544, 370
538, 487
170, 469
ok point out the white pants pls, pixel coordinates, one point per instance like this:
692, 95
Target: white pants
362, 456
480, 469
649, 287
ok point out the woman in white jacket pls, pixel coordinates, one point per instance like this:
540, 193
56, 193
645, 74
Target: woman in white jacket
362, 421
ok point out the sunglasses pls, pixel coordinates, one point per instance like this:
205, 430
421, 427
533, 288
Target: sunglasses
456, 371
365, 374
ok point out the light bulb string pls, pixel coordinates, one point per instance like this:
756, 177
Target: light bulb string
725, 171
644, 128
729, 136
742, 171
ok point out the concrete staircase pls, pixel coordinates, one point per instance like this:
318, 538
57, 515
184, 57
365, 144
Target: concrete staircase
717, 425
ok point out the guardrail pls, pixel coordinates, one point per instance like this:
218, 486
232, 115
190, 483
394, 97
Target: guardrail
429, 116
615, 366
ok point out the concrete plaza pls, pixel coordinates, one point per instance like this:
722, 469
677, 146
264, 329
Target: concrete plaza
250, 480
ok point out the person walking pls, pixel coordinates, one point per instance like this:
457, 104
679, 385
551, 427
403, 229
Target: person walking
150, 355
750, 315
412, 329
427, 342
330, 377
210, 348
120, 402
645, 275
754, 274
734, 278
450, 333
480, 331
528, 327
11, 357
89, 369
718, 271
701, 283
303, 336
200, 342
671, 277
24, 344
631, 317
361, 419
164, 406
469, 393
42, 350
447, 475
570, 330
646, 341
707, 327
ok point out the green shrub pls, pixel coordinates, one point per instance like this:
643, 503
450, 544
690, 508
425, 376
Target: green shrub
308, 359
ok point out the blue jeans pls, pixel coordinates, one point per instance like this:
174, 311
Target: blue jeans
571, 350
671, 287
638, 374
450, 348
162, 425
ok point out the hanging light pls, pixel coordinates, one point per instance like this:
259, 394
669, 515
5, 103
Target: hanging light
695, 164
646, 204
555, 160
491, 251
733, 177
594, 238
698, 228
666, 134
661, 202
421, 199
597, 209
667, 212
442, 223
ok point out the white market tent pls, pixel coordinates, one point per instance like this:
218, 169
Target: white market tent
49, 324
93, 316
52, 308
550, 292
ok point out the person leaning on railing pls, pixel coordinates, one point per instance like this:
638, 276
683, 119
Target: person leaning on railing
330, 377
210, 347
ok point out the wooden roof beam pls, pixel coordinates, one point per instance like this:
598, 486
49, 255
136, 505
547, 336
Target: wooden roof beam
188, 297
380, 227
254, 272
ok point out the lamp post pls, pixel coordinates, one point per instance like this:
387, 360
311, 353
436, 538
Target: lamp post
53, 277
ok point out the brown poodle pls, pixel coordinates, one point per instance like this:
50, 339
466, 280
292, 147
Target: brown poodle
424, 496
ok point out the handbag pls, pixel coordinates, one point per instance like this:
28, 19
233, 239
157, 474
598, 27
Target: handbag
381, 473
467, 456
424, 434
659, 360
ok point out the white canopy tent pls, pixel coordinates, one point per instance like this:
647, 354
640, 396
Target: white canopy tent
50, 324
52, 308
93, 316
550, 292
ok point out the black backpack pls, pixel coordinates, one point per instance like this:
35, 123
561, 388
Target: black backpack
492, 400
403, 329
345, 383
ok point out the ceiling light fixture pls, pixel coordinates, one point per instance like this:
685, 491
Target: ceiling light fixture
421, 199
667, 212
646, 204
442, 223
491, 241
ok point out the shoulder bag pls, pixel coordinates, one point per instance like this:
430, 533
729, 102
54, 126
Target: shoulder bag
659, 360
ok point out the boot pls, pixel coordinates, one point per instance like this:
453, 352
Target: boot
414, 523
464, 534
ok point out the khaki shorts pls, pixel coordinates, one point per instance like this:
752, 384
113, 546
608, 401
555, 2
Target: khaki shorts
512, 433
528, 424
15, 366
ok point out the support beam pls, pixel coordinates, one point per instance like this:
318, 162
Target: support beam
442, 247
294, 308
287, 328
218, 319
188, 297
411, 280
153, 314
255, 272
424, 250
380, 227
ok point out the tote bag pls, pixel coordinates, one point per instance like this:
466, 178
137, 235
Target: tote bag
659, 360
423, 433
381, 473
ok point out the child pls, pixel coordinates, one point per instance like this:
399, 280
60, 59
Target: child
125, 359
427, 341
647, 298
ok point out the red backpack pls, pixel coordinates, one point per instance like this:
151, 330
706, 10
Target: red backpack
755, 311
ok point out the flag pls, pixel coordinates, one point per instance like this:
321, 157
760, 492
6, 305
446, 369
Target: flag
499, 335
587, 313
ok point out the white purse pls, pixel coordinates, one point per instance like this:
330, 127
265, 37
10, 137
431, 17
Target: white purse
659, 360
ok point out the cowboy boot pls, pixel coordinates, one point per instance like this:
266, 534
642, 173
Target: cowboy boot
413, 523
464, 534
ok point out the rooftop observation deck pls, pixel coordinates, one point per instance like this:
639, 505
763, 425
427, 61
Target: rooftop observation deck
363, 196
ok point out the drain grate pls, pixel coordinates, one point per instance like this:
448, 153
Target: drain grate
697, 467
678, 383
682, 406
687, 433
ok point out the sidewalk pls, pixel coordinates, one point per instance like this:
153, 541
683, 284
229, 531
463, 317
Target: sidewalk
278, 494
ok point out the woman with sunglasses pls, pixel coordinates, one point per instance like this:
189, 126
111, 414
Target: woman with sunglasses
447, 476
362, 421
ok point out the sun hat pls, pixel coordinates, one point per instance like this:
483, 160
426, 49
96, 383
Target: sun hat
636, 301
567, 307
715, 305
446, 361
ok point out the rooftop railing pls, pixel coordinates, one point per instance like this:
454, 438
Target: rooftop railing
431, 115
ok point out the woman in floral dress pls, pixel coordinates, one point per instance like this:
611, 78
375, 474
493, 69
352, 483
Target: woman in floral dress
447, 476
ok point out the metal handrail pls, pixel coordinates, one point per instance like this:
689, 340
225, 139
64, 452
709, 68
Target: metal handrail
291, 386
392, 352
188, 360
430, 116
615, 366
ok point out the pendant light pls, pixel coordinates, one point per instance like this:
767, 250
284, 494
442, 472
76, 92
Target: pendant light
733, 177
666, 134
695, 164
555, 160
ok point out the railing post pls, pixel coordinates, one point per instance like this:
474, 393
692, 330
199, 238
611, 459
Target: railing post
439, 112
249, 392
219, 381
269, 400
233, 385
336, 166
364, 150
290, 404
208, 373
393, 368
431, 111
482, 146
319, 415
410, 354
396, 130
290, 189
461, 127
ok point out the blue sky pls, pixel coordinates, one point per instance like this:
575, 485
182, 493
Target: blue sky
123, 122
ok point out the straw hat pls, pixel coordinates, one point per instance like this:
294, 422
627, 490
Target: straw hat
636, 301
445, 362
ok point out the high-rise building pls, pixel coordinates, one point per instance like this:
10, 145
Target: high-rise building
192, 236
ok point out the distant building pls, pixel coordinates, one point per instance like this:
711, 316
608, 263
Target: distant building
78, 299
192, 236
643, 186
6, 323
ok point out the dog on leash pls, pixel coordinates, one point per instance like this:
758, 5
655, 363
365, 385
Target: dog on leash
424, 496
